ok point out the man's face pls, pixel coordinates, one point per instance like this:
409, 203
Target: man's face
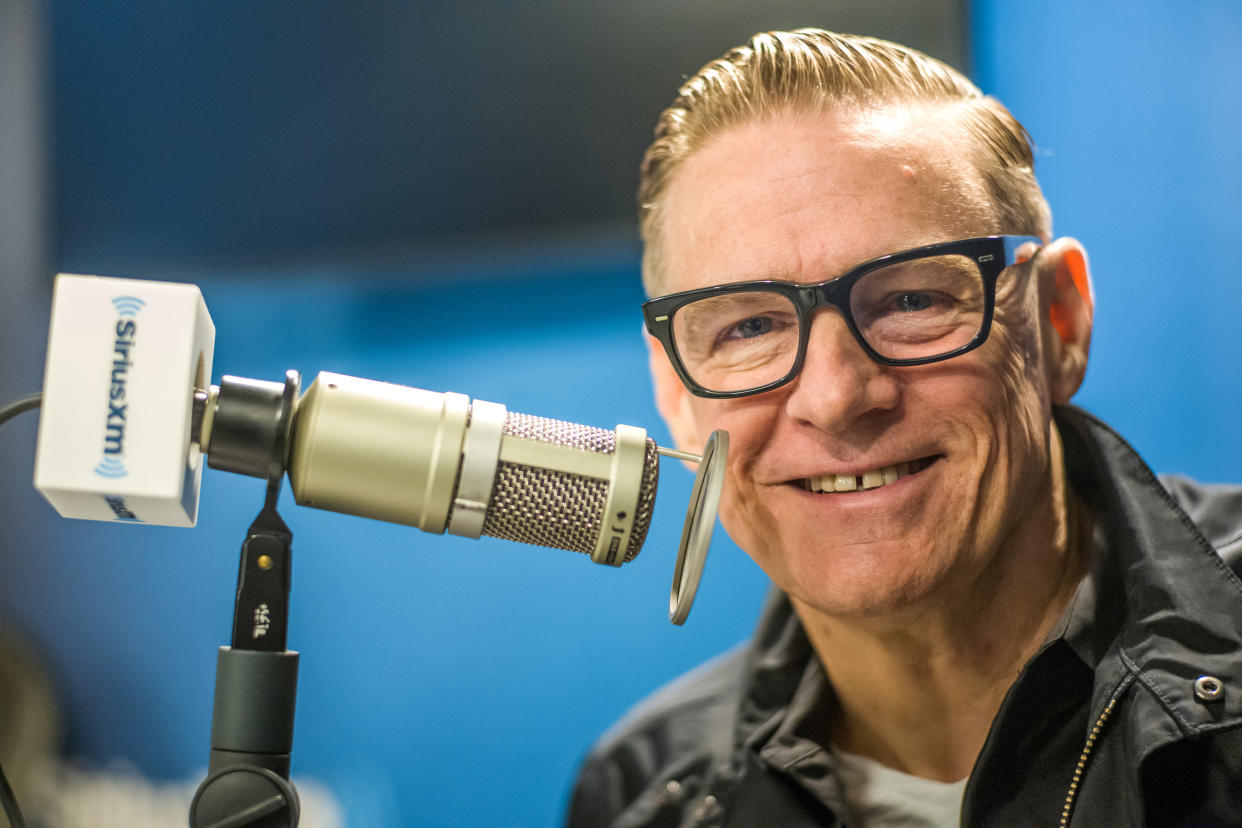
803, 198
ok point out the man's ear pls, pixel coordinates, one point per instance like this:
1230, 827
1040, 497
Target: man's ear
672, 398
1070, 303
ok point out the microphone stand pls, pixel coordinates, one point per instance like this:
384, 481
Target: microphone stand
247, 781
247, 430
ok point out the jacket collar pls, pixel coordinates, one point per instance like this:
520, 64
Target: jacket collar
1159, 602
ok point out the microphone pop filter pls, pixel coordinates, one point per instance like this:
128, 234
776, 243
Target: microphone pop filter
696, 533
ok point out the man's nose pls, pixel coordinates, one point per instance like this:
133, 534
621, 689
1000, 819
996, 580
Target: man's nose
839, 382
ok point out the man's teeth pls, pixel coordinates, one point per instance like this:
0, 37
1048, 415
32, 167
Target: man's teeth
868, 480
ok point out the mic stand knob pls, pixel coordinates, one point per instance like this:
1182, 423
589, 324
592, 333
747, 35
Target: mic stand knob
245, 797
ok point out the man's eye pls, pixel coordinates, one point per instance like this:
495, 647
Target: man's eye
749, 328
913, 302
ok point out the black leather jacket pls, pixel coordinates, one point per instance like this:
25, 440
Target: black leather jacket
1130, 714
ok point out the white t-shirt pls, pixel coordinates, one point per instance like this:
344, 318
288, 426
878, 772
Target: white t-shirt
877, 796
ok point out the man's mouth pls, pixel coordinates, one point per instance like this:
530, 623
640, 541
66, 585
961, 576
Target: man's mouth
873, 479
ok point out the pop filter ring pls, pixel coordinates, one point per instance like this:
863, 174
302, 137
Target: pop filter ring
696, 534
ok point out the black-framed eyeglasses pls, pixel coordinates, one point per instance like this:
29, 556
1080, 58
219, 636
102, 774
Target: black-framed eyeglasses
910, 308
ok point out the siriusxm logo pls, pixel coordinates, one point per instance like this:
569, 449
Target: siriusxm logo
117, 421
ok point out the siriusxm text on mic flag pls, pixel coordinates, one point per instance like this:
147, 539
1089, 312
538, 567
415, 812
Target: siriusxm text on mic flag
124, 358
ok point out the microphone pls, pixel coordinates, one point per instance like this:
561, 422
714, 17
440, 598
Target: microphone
441, 462
128, 416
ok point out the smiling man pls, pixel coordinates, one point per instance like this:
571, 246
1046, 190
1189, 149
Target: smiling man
987, 609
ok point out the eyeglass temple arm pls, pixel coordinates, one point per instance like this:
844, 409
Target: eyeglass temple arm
1012, 243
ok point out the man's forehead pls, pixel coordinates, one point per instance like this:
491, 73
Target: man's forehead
868, 179
906, 144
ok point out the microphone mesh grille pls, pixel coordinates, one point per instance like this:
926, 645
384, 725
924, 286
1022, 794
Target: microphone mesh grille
565, 511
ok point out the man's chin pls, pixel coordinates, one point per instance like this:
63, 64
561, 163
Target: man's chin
863, 581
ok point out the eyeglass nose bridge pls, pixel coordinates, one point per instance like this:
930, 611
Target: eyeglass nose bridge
834, 293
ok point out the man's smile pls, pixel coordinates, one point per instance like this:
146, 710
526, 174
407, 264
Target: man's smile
871, 479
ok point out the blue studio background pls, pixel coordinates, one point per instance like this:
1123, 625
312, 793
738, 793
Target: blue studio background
453, 682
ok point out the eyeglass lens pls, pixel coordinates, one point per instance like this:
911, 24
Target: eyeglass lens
915, 309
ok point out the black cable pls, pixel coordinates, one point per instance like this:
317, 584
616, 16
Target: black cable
25, 404
9, 801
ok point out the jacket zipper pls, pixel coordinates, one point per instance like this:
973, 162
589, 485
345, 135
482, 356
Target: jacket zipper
1081, 768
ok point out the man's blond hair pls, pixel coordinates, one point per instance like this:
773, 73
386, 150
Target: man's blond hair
811, 69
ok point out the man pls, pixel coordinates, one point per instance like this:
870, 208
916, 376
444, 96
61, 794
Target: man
987, 608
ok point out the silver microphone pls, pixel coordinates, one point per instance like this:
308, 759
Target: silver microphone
442, 462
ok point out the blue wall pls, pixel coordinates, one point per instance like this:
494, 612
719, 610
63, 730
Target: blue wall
451, 682
1136, 108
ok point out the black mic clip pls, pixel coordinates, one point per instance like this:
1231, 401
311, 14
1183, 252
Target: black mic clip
247, 779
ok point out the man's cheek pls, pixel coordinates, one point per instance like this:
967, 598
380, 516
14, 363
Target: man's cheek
1015, 341
742, 516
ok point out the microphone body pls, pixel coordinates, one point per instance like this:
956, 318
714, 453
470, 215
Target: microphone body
441, 462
